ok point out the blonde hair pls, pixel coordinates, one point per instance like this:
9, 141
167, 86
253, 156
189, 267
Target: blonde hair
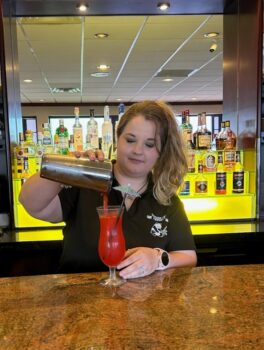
171, 166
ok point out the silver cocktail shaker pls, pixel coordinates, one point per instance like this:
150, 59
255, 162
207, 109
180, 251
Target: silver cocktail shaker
79, 172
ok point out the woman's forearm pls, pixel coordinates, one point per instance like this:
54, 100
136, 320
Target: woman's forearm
183, 258
39, 197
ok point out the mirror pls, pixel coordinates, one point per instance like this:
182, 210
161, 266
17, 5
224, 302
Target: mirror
145, 57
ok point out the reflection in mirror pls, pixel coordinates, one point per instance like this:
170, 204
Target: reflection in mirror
65, 60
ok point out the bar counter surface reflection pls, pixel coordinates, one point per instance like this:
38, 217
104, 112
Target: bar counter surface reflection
184, 308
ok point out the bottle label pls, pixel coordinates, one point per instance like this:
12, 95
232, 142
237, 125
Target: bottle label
230, 157
63, 143
238, 181
221, 183
78, 139
191, 161
186, 188
204, 141
210, 162
201, 186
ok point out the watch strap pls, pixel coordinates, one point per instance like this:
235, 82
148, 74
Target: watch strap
161, 265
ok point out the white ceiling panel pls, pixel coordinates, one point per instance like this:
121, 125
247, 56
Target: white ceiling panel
63, 52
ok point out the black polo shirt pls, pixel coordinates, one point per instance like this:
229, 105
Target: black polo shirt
146, 224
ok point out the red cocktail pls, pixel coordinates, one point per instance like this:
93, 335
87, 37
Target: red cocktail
111, 241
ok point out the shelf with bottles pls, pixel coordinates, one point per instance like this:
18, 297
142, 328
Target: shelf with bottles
211, 172
235, 199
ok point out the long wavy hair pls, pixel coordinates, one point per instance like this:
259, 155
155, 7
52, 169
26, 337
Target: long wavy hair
171, 166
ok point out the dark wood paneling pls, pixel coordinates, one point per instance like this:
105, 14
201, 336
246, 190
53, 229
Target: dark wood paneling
115, 7
242, 67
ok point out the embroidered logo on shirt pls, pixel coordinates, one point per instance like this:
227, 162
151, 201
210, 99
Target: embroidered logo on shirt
158, 229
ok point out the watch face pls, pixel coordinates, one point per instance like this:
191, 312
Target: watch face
165, 258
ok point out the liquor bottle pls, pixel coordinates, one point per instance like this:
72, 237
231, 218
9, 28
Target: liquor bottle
238, 175
19, 153
77, 131
29, 144
201, 183
220, 187
190, 154
121, 111
25, 172
39, 151
204, 136
107, 133
63, 136
186, 187
92, 141
71, 145
209, 161
230, 147
186, 127
230, 136
47, 138
195, 138
220, 138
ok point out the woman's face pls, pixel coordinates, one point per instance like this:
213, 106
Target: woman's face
137, 150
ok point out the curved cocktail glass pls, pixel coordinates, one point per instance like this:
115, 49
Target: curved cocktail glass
111, 242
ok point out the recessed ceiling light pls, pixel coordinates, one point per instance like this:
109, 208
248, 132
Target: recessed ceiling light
82, 7
42, 100
101, 35
211, 35
167, 79
27, 81
100, 74
103, 67
163, 6
119, 99
194, 98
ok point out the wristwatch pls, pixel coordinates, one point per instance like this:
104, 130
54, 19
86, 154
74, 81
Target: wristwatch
164, 259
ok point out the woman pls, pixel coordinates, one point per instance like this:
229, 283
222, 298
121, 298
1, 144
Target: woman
151, 159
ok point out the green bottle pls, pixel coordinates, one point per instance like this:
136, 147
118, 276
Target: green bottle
63, 138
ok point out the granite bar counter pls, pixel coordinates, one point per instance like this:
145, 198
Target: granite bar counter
186, 308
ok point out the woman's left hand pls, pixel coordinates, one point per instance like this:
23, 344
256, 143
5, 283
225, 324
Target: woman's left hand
138, 262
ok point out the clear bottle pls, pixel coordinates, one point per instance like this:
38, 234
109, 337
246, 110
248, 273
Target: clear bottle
77, 131
204, 136
39, 151
71, 145
63, 138
238, 175
220, 187
107, 133
121, 111
201, 183
47, 138
92, 141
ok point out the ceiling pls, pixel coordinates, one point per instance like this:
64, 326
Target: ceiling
62, 52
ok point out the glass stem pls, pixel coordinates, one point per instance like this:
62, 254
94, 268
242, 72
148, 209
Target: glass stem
112, 271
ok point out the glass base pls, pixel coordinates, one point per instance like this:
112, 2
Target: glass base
112, 282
